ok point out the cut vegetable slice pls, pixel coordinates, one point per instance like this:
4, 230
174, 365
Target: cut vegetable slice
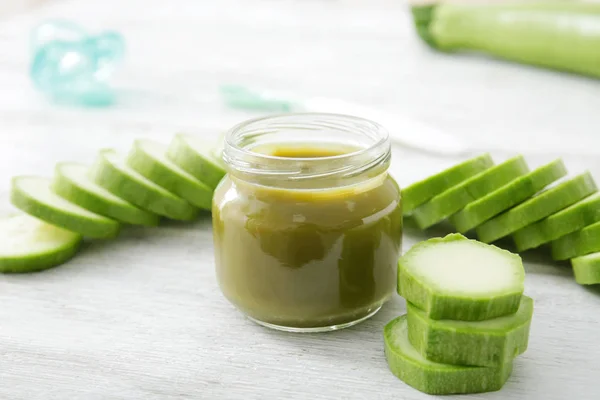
587, 269
149, 159
34, 196
32, 245
507, 196
454, 199
112, 173
434, 378
197, 158
571, 219
72, 182
579, 243
484, 343
538, 207
461, 279
424, 190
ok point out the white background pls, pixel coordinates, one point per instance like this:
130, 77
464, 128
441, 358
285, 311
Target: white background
142, 317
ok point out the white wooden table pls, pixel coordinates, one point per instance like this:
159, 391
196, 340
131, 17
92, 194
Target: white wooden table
142, 317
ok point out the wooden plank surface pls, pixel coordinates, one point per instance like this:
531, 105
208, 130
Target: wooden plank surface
142, 317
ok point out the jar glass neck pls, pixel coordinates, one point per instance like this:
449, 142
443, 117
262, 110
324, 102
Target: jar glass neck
369, 157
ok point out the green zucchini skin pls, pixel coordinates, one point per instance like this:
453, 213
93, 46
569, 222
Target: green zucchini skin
587, 269
563, 36
422, 17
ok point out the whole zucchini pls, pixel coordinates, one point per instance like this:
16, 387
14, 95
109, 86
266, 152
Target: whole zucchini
558, 35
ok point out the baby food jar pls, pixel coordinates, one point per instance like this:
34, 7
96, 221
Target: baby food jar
307, 222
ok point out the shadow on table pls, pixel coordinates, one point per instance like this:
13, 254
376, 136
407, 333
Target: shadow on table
140, 233
538, 261
439, 230
202, 221
594, 289
354, 345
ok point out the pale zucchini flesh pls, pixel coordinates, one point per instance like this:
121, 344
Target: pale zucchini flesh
571, 219
30, 244
149, 159
456, 198
33, 196
538, 207
587, 269
492, 342
420, 192
457, 278
434, 378
111, 172
507, 196
73, 183
197, 157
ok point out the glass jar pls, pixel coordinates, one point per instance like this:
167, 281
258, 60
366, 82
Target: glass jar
307, 222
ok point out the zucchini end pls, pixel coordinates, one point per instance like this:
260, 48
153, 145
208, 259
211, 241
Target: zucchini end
422, 17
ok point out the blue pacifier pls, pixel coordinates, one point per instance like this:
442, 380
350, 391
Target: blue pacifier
70, 65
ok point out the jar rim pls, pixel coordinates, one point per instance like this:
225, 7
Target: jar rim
242, 160
236, 128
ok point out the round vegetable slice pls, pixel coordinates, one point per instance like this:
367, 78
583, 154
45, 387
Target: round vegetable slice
484, 343
457, 278
579, 243
72, 182
422, 191
197, 157
587, 269
571, 219
538, 207
112, 173
454, 199
33, 195
507, 196
149, 159
32, 245
434, 378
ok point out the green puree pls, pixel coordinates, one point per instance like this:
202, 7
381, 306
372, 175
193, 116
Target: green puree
307, 258
302, 151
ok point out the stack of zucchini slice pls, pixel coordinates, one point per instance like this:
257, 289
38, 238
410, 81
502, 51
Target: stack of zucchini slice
467, 318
